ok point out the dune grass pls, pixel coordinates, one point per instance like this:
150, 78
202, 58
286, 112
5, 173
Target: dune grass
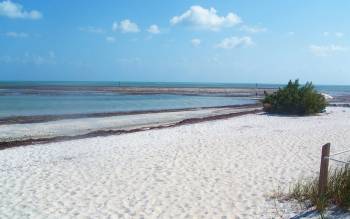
338, 190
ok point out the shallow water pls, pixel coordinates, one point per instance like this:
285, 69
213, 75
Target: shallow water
19, 98
18, 104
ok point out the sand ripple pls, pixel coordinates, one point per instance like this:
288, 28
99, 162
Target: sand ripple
221, 169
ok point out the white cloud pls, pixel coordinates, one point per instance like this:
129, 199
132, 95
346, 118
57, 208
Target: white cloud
13, 10
326, 50
202, 18
253, 29
16, 34
125, 26
48, 59
153, 29
235, 42
196, 42
30, 58
115, 26
291, 33
91, 29
110, 39
135, 60
339, 34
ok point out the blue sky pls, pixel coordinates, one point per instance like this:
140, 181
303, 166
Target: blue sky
183, 41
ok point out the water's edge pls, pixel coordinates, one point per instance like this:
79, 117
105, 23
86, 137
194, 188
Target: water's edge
243, 110
49, 118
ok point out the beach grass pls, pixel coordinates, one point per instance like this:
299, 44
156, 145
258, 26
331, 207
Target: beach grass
338, 191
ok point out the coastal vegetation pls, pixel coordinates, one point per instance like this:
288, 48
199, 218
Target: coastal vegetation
338, 191
295, 99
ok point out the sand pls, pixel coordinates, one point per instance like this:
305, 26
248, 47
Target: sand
219, 169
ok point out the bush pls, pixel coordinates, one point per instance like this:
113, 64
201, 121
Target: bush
338, 190
295, 100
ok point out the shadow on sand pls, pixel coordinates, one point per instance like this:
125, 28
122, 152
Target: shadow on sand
331, 213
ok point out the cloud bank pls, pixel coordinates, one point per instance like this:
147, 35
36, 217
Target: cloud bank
13, 10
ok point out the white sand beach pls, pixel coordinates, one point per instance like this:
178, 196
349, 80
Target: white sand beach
219, 169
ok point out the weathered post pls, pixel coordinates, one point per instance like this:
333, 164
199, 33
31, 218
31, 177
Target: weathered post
323, 180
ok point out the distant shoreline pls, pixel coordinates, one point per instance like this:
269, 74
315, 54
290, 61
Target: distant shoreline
217, 91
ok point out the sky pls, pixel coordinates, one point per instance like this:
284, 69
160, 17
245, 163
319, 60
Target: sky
231, 41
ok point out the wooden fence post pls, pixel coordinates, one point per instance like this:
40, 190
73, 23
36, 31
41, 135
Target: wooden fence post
323, 180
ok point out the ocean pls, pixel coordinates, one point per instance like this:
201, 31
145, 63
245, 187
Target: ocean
24, 99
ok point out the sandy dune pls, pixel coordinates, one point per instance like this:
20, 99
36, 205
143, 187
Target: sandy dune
220, 169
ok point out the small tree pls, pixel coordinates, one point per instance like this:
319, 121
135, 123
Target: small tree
295, 100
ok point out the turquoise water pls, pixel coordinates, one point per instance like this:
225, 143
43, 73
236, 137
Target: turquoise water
17, 98
18, 104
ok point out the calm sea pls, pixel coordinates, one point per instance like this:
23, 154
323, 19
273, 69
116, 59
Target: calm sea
15, 100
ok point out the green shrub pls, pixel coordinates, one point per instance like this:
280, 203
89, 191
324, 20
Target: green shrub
295, 100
